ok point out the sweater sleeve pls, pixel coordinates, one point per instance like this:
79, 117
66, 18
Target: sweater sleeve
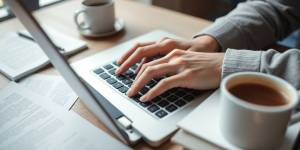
255, 24
285, 65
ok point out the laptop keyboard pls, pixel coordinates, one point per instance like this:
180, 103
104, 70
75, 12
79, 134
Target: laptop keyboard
161, 106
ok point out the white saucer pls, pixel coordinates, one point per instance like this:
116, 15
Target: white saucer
119, 26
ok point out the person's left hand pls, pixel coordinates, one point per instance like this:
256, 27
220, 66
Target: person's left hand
187, 69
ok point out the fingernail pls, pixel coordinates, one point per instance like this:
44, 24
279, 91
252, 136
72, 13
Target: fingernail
129, 93
143, 99
118, 62
117, 71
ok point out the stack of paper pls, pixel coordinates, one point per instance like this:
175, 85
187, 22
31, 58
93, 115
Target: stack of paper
53, 87
30, 121
203, 123
20, 56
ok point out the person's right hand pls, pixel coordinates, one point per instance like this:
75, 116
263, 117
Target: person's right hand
146, 51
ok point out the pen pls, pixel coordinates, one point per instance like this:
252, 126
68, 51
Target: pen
31, 39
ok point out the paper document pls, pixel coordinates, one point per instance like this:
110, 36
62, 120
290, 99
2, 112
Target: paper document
69, 44
53, 87
28, 121
19, 55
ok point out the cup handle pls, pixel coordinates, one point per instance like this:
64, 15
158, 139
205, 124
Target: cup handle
81, 26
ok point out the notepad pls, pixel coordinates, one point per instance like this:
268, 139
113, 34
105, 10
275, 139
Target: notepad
20, 57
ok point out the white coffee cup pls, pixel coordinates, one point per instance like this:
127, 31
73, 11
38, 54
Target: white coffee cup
98, 16
253, 126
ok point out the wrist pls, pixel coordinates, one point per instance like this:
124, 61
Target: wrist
209, 43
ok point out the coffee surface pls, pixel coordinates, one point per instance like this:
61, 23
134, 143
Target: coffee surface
95, 3
258, 94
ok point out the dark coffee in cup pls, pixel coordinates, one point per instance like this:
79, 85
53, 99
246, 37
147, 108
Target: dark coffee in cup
98, 16
256, 109
87, 3
259, 94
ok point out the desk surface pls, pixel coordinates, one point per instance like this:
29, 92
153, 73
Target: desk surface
139, 19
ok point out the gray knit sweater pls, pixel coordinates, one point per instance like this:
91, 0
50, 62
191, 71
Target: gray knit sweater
252, 26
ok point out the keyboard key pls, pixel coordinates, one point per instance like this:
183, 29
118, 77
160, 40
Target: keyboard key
123, 89
116, 64
172, 98
128, 73
161, 114
98, 71
180, 103
163, 103
145, 104
137, 97
134, 67
132, 76
180, 93
165, 94
111, 80
195, 92
144, 90
120, 77
156, 99
129, 85
188, 98
109, 66
152, 83
112, 71
158, 79
171, 108
104, 76
173, 90
127, 81
117, 85
153, 108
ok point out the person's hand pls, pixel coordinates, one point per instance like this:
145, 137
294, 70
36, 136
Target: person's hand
187, 69
145, 51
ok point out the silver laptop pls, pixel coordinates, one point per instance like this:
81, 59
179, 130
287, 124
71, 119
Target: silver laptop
94, 80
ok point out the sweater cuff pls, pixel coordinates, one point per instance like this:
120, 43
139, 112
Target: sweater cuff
241, 61
226, 33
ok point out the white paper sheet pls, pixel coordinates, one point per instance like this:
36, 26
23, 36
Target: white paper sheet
68, 43
53, 87
28, 121
19, 56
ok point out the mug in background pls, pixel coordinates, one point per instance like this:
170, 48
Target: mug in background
254, 126
98, 16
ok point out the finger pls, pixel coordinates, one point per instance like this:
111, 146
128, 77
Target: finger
150, 73
141, 52
164, 59
163, 86
131, 50
152, 63
144, 61
164, 39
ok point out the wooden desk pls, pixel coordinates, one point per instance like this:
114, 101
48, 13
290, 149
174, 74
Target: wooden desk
139, 19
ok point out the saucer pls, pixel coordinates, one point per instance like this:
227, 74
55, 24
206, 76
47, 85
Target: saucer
119, 26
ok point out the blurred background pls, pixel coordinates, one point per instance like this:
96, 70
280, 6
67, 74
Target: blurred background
207, 9
201, 8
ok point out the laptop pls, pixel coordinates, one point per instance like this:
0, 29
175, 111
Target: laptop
104, 93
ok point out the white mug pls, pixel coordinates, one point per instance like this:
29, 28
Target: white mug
253, 126
98, 16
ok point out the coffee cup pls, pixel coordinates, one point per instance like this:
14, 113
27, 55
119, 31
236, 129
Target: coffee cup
256, 109
98, 16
